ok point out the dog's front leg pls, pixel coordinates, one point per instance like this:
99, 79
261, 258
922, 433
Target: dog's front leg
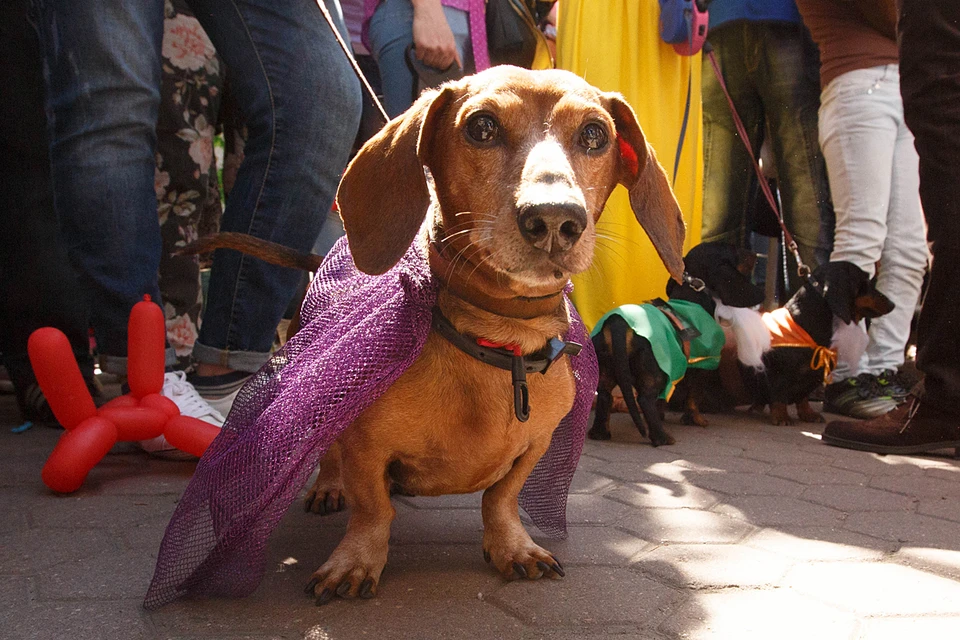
354, 567
601, 417
779, 415
326, 495
506, 544
807, 413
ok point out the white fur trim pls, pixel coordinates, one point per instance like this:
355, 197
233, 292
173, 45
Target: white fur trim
753, 337
849, 341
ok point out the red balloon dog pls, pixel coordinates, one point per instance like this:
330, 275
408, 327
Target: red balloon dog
139, 415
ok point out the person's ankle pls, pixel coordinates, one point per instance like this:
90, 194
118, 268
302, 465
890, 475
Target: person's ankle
206, 369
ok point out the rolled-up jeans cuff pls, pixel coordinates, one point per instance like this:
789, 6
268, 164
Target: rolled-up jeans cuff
249, 361
117, 365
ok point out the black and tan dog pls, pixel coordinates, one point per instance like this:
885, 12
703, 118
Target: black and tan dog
804, 332
629, 359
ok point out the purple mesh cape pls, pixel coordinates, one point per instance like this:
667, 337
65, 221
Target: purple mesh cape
360, 333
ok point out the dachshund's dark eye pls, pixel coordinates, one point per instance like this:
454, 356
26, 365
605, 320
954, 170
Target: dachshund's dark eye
483, 129
593, 137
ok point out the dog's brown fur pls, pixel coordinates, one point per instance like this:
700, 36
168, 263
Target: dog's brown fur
448, 424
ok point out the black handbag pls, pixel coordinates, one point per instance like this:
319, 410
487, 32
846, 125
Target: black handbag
513, 34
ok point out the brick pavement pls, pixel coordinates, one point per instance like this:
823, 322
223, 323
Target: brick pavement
741, 530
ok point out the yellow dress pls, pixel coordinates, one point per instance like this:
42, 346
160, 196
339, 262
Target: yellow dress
616, 46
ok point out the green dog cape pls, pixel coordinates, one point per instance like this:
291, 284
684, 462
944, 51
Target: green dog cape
650, 322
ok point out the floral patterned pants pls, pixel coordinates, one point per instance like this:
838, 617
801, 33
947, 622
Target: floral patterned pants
188, 194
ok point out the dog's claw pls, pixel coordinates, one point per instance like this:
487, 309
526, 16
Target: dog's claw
344, 588
366, 589
310, 586
559, 570
520, 570
543, 566
341, 503
328, 503
325, 596
486, 556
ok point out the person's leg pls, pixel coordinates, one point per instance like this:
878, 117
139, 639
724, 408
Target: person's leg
878, 221
930, 84
38, 286
727, 171
301, 102
186, 178
858, 134
102, 66
790, 88
391, 32
903, 260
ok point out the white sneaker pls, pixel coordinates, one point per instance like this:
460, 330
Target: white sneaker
176, 387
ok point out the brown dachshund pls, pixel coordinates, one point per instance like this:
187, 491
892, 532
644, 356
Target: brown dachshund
519, 166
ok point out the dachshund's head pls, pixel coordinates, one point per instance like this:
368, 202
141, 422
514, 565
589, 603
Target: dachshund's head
725, 270
850, 293
511, 170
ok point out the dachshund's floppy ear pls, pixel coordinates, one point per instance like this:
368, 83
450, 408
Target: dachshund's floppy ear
839, 290
383, 196
651, 197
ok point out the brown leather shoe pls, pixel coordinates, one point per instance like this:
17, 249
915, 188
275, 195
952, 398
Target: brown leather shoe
913, 427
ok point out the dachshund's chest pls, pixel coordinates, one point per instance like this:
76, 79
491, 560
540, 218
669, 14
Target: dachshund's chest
448, 424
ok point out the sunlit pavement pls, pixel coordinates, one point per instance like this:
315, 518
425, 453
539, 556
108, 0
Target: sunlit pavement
741, 530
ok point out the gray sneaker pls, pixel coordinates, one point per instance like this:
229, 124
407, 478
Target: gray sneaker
861, 397
893, 384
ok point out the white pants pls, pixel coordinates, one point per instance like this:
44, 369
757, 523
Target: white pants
874, 180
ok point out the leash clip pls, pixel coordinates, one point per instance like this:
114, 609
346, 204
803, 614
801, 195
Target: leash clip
695, 283
521, 395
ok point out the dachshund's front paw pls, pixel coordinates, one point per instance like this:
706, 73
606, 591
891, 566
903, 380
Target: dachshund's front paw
779, 415
528, 561
807, 413
662, 438
810, 416
598, 433
325, 497
347, 575
694, 419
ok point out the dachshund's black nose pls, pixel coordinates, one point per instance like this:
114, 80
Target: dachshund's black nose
552, 227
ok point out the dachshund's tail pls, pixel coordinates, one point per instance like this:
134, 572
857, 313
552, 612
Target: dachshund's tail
267, 251
618, 328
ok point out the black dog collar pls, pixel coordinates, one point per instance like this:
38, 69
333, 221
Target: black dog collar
507, 357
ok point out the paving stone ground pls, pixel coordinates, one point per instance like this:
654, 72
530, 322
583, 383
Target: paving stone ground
741, 530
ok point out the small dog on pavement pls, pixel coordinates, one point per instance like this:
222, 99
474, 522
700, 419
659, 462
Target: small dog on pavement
519, 166
655, 349
816, 326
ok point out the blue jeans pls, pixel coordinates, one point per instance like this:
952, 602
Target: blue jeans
772, 72
38, 288
391, 32
302, 104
